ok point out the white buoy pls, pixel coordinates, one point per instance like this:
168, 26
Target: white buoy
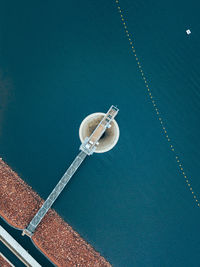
188, 31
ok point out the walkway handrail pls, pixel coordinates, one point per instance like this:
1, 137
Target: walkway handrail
87, 148
54, 194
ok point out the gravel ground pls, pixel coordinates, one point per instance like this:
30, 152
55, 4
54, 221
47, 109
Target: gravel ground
3, 262
53, 236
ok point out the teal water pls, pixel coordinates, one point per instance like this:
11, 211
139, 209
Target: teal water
26, 243
60, 61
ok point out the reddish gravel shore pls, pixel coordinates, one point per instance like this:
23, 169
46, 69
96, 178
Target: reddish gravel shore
54, 237
3, 262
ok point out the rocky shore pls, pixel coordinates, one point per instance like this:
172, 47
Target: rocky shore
54, 237
4, 262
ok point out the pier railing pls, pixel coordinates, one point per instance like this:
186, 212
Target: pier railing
54, 194
91, 142
87, 148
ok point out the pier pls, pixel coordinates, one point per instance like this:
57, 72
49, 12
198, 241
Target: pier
90, 143
87, 148
54, 194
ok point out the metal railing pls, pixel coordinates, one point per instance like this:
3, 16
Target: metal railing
55, 193
87, 148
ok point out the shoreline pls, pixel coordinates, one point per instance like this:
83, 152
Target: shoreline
54, 237
4, 261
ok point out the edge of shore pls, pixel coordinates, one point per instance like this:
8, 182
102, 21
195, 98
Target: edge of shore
53, 237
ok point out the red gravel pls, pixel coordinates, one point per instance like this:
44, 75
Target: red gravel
53, 236
3, 262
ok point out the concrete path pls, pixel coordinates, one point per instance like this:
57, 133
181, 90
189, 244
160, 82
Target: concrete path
17, 249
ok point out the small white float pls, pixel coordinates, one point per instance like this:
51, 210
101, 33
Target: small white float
188, 31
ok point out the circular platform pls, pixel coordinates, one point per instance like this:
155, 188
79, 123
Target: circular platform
109, 138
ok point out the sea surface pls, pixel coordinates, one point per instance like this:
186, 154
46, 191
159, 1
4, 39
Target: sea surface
63, 60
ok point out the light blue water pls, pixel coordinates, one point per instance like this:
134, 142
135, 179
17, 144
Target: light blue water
61, 61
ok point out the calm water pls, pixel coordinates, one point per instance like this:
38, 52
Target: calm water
60, 61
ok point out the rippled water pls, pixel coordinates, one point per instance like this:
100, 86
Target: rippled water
64, 60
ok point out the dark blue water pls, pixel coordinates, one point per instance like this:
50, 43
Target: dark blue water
60, 61
26, 243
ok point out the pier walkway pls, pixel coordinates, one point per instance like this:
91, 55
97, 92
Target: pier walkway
90, 143
87, 148
54, 194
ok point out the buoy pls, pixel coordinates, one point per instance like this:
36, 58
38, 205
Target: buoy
188, 31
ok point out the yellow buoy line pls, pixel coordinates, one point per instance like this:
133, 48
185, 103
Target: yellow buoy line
180, 165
